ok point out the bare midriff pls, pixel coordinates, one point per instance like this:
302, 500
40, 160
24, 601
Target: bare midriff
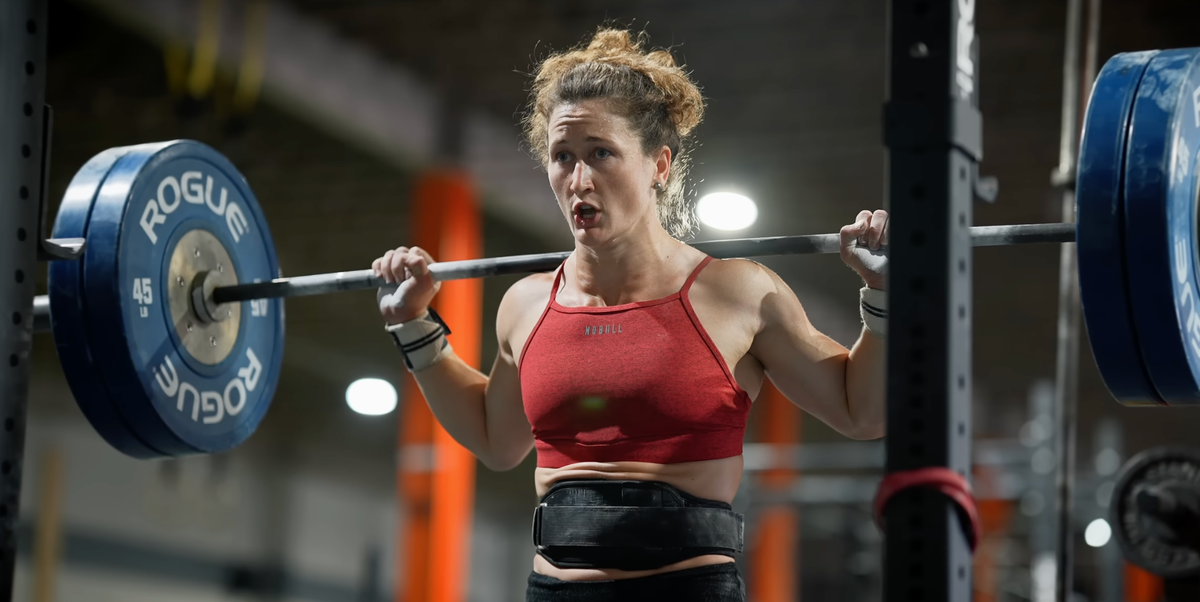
709, 479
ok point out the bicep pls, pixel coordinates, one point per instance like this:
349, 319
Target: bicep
807, 366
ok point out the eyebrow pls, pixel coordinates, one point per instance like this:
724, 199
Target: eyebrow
561, 141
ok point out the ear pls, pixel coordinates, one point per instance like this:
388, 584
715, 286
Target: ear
662, 163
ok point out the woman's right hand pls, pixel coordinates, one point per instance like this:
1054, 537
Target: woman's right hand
408, 267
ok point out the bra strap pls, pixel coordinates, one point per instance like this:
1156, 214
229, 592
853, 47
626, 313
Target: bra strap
558, 274
692, 278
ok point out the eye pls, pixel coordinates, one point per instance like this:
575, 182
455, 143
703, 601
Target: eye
603, 153
562, 156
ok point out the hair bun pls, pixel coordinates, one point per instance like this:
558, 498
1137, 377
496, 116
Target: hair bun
661, 58
619, 48
613, 42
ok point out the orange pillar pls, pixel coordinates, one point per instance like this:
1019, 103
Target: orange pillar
1142, 586
437, 476
995, 516
460, 303
773, 554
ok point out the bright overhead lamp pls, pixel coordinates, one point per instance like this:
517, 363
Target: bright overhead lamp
371, 396
726, 211
1098, 533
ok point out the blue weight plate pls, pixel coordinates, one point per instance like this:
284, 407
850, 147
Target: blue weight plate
154, 203
67, 309
1100, 231
1160, 217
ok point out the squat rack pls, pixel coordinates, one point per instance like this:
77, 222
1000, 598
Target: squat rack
934, 134
23, 123
933, 131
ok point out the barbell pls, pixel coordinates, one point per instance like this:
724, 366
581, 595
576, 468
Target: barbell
170, 327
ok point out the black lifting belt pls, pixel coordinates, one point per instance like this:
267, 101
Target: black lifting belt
631, 525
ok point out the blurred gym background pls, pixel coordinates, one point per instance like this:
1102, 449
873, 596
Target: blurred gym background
336, 111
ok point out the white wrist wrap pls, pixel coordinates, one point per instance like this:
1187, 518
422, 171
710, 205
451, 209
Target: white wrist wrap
872, 306
422, 342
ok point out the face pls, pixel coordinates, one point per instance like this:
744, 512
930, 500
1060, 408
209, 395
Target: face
603, 180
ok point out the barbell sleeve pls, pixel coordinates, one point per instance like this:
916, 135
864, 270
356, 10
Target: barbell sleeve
807, 244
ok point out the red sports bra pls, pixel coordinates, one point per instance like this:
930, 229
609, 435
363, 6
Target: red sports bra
633, 382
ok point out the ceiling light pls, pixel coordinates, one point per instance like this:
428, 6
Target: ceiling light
1098, 533
726, 211
371, 396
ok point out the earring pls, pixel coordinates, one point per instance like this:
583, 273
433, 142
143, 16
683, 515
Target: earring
658, 186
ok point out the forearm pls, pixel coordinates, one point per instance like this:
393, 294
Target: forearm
454, 392
866, 385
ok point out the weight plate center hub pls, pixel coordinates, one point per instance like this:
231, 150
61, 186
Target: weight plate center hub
199, 264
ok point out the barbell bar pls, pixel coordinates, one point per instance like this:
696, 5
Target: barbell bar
805, 244
170, 327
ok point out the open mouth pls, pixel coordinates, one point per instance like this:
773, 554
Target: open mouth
586, 215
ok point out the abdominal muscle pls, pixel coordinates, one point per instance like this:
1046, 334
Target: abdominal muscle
709, 479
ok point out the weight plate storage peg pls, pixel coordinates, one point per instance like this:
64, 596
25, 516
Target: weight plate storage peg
170, 223
1100, 224
1156, 511
1160, 222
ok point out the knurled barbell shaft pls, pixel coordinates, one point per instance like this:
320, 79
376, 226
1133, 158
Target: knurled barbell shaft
807, 244
300, 286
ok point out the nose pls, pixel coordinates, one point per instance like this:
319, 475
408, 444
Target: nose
581, 178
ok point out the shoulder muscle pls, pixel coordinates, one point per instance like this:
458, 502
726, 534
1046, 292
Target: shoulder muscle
527, 294
739, 285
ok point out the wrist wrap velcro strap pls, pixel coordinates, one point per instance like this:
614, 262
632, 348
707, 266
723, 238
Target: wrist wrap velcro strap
631, 525
422, 341
872, 306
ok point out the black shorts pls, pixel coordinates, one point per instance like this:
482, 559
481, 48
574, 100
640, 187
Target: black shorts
711, 583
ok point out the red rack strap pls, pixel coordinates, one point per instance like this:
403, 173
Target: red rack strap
941, 479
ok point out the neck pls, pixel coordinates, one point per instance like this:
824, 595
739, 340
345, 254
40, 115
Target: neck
622, 268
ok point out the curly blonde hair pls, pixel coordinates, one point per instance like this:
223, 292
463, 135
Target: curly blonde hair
656, 96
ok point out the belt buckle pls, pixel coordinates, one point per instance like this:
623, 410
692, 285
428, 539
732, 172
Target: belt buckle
537, 526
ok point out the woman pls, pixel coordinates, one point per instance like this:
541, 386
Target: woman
631, 368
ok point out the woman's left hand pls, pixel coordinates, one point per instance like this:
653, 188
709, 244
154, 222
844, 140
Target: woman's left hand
861, 243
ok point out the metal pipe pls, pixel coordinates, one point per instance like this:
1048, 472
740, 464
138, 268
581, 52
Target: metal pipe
1066, 401
1068, 132
869, 455
981, 236
1066, 383
808, 244
1091, 49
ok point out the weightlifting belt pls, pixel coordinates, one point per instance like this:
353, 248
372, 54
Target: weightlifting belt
631, 525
